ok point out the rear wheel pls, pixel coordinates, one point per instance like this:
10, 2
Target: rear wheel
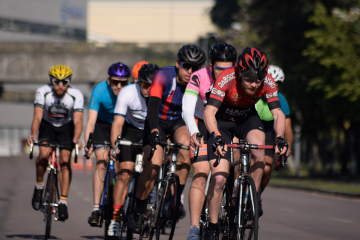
249, 211
108, 209
132, 200
49, 197
168, 209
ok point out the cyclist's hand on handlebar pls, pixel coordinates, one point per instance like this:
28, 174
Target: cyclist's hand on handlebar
288, 153
280, 143
194, 141
31, 139
79, 142
111, 153
217, 143
88, 151
153, 139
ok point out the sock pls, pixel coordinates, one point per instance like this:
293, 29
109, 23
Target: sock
116, 213
213, 226
141, 205
195, 229
96, 207
182, 198
39, 185
63, 199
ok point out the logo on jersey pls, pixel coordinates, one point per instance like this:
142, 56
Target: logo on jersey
237, 113
195, 81
58, 110
269, 82
235, 97
271, 95
226, 79
217, 92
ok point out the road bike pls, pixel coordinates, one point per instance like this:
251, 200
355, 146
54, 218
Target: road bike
51, 191
165, 209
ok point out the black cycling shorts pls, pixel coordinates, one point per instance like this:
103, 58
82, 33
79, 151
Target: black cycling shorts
240, 129
102, 134
202, 155
165, 128
61, 135
131, 133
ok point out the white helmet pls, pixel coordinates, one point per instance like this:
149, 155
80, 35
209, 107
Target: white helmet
277, 73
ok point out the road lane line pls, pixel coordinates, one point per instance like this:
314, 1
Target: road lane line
287, 210
340, 220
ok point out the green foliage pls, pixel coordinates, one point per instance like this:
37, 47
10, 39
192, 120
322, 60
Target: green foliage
224, 12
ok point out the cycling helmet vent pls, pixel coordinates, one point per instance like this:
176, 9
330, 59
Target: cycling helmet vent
192, 54
223, 52
119, 70
277, 73
253, 63
146, 72
60, 72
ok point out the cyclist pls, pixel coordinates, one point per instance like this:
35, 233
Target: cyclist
222, 56
58, 113
136, 68
130, 113
231, 109
268, 122
164, 117
101, 115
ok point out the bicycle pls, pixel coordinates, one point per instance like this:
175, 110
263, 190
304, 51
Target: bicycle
165, 208
106, 200
131, 196
51, 191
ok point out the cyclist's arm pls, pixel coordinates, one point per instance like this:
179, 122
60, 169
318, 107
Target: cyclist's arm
78, 125
155, 97
279, 121
210, 119
289, 135
189, 104
38, 115
90, 125
116, 128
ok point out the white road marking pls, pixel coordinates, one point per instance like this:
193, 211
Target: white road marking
286, 210
340, 220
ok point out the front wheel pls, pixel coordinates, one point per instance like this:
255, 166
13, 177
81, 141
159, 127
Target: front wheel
108, 209
248, 210
131, 203
49, 197
169, 208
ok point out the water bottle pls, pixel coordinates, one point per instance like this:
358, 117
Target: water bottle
235, 192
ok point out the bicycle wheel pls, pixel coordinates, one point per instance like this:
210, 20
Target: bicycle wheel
248, 210
168, 208
131, 203
48, 199
224, 216
108, 209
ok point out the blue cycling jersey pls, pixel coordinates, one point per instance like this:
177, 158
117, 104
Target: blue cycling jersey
103, 100
284, 105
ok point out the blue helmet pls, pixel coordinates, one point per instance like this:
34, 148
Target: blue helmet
119, 70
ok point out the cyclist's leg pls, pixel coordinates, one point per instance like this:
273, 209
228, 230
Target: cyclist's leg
99, 173
65, 172
269, 159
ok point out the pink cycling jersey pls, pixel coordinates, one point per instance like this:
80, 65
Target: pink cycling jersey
194, 99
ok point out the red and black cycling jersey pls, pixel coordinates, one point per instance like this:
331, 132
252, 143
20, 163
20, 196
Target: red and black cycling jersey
228, 95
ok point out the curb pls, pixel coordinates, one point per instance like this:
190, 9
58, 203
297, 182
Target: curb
319, 190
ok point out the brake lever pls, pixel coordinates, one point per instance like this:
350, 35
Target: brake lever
216, 163
89, 144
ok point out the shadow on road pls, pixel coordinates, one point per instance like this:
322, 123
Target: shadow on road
28, 236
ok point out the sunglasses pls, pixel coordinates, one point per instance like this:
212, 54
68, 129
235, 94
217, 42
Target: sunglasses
145, 85
65, 82
221, 68
249, 80
187, 66
116, 82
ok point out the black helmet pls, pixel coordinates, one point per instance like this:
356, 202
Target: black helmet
223, 52
146, 72
192, 53
253, 63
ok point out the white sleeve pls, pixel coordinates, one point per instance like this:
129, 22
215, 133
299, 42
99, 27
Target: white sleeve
40, 97
79, 101
122, 103
188, 107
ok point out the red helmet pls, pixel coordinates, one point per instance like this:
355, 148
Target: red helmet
253, 63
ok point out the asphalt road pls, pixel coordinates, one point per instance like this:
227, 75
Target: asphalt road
287, 214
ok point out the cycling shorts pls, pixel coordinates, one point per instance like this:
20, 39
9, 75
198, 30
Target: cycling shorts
202, 155
166, 128
239, 128
61, 135
102, 133
131, 133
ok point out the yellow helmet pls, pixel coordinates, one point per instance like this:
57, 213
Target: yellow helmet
60, 72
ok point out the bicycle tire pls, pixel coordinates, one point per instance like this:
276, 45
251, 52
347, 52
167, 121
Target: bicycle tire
169, 207
250, 219
224, 215
48, 196
108, 209
131, 206
159, 192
